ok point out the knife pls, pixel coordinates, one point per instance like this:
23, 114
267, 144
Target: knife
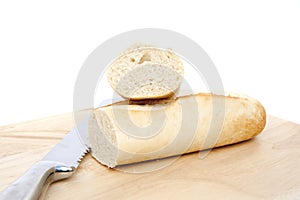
60, 163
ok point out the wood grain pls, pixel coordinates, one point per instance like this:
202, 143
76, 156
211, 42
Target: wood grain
267, 167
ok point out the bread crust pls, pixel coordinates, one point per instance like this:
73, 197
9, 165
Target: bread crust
243, 119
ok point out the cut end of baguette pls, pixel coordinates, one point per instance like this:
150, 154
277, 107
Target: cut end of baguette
102, 139
146, 73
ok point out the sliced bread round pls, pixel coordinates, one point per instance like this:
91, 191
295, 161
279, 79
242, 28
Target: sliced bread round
146, 72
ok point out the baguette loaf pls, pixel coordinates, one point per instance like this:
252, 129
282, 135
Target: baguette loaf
189, 124
146, 72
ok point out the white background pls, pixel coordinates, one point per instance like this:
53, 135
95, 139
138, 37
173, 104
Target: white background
254, 44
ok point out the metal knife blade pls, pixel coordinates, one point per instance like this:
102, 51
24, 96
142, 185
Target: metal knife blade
60, 163
71, 149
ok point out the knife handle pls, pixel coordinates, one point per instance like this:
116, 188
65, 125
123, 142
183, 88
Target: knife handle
34, 183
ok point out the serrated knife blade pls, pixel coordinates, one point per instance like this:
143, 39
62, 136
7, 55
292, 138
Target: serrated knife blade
71, 149
60, 163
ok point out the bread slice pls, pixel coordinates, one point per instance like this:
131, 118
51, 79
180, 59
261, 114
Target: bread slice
146, 72
122, 134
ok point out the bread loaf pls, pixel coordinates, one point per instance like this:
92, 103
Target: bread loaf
146, 72
122, 134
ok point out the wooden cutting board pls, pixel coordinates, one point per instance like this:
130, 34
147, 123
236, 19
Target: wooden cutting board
267, 167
